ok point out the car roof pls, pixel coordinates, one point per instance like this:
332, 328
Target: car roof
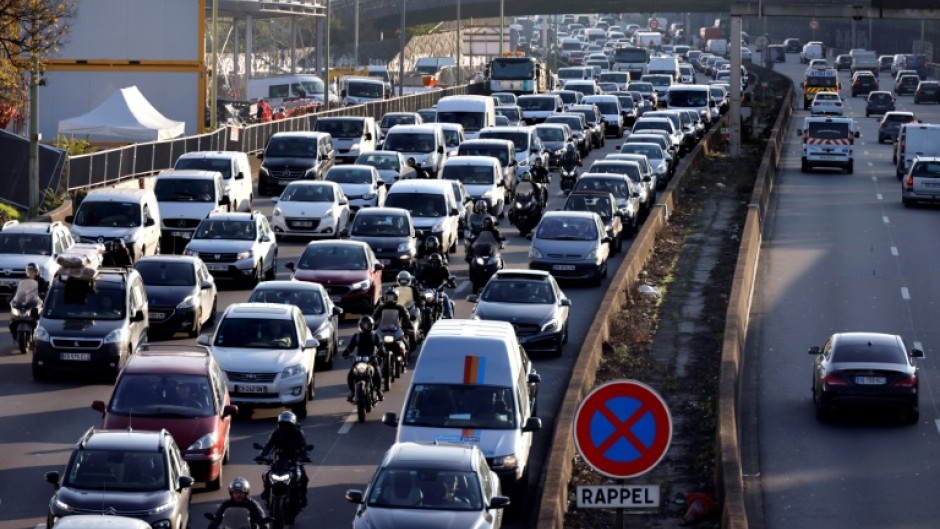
337, 242
169, 359
132, 440
861, 338
489, 141
14, 226
299, 134
233, 215
439, 456
112, 194
367, 212
281, 284
577, 214
265, 311
415, 129
522, 273
470, 160
169, 258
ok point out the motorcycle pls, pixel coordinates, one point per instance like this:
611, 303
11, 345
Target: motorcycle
236, 518
116, 255
486, 260
406, 296
527, 208
364, 394
24, 313
396, 347
434, 303
475, 224
569, 175
283, 477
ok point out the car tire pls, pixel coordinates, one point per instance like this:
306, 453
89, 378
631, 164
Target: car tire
804, 166
618, 243
850, 168
910, 416
867, 115
215, 307
216, 483
227, 455
300, 409
907, 203
453, 247
823, 414
255, 277
39, 373
311, 392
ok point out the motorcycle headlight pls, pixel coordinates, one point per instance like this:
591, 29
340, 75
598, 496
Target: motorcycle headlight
116, 336
279, 478
509, 462
388, 339
480, 261
518, 205
245, 255
534, 253
188, 251
362, 285
294, 370
550, 325
277, 212
205, 442
42, 334
404, 247
188, 302
361, 368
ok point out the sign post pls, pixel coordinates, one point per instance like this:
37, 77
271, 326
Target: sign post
622, 430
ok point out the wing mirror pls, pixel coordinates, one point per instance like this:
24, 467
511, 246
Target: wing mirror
532, 424
390, 419
203, 339
814, 350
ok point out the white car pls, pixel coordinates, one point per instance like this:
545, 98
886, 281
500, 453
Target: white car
267, 353
22, 243
312, 209
827, 103
362, 184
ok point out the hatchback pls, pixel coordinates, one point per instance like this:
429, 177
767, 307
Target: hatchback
348, 269
927, 91
390, 234
317, 209
864, 83
922, 183
238, 246
843, 62
360, 186
879, 102
181, 292
793, 45
906, 84
605, 205
827, 103
571, 245
891, 124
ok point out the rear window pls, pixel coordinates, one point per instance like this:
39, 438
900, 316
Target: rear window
926, 169
899, 118
828, 131
869, 353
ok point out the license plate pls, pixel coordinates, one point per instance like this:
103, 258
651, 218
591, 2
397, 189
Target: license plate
217, 267
336, 299
385, 261
283, 182
303, 224
157, 316
929, 184
563, 267
183, 234
249, 389
10, 282
870, 381
83, 357
829, 157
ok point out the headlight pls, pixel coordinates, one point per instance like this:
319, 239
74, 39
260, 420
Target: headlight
509, 462
310, 171
550, 325
362, 285
187, 251
187, 303
323, 333
661, 167
388, 339
162, 508
263, 170
518, 205
488, 195
328, 213
205, 442
42, 334
132, 236
534, 253
277, 212
115, 336
62, 505
404, 247
524, 163
368, 196
294, 370
438, 227
559, 152
591, 255
245, 255
354, 147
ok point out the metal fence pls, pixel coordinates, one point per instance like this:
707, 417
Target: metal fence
145, 159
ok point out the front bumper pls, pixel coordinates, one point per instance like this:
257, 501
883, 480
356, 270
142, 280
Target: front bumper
87, 355
282, 391
310, 227
240, 269
564, 269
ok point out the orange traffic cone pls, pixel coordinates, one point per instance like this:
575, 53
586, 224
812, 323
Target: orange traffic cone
700, 506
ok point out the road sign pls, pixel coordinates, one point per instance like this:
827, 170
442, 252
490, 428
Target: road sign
654, 23
813, 23
623, 429
618, 496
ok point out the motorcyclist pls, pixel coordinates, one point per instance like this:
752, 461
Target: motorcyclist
238, 491
368, 343
488, 225
570, 156
390, 302
406, 283
432, 245
480, 211
420, 172
32, 272
539, 176
288, 441
433, 276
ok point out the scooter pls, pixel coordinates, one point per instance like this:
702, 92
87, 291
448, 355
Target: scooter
486, 260
283, 477
396, 355
569, 176
526, 208
24, 313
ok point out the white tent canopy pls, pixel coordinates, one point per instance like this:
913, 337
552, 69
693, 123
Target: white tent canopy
125, 117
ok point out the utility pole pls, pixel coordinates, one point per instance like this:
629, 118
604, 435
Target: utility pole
326, 85
214, 96
34, 137
401, 53
356, 33
502, 27
459, 64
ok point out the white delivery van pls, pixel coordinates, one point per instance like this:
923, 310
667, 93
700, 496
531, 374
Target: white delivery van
235, 169
527, 145
276, 89
351, 135
473, 112
474, 384
433, 207
651, 40
482, 177
359, 90
665, 65
828, 142
916, 139
185, 197
425, 143
129, 214
609, 105
717, 47
691, 97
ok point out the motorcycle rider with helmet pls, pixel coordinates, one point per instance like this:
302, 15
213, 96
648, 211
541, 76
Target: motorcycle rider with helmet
406, 283
287, 441
432, 245
433, 276
238, 493
420, 172
368, 343
570, 156
390, 302
32, 272
540, 177
490, 226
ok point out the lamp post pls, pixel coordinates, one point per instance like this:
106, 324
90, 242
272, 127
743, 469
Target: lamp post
459, 65
502, 27
356, 35
326, 86
401, 53
34, 137
214, 96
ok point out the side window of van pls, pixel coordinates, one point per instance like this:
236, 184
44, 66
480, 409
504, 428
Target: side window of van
277, 91
219, 189
148, 216
522, 395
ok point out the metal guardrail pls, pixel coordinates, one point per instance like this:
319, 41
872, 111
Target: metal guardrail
145, 159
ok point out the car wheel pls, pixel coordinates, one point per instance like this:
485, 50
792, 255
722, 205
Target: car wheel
255, 277
453, 247
216, 483
910, 415
311, 387
867, 115
907, 203
39, 374
215, 306
804, 166
850, 168
618, 242
227, 455
822, 412
300, 408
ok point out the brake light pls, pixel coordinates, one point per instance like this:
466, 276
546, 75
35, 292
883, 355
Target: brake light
910, 181
833, 380
815, 103
907, 381
884, 125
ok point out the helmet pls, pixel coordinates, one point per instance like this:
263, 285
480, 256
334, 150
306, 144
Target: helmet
525, 177
411, 161
404, 278
538, 161
432, 244
287, 417
479, 206
366, 324
488, 223
239, 484
391, 294
118, 244
570, 146
436, 261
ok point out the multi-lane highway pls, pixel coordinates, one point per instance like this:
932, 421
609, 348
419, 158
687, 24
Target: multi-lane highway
40, 422
841, 253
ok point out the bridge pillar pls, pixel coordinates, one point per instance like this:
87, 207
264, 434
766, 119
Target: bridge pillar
734, 113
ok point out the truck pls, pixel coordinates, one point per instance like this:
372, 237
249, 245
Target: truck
651, 40
519, 75
707, 33
818, 80
916, 139
632, 59
865, 60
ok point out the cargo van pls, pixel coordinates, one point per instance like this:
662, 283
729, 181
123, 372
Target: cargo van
828, 142
359, 90
132, 215
278, 88
425, 143
474, 384
185, 197
473, 112
665, 65
717, 47
291, 156
351, 135
916, 139
691, 97
433, 207
235, 169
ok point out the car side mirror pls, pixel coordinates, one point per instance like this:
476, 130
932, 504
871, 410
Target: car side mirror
138, 316
814, 350
52, 477
528, 236
344, 201
70, 218
635, 194
368, 136
534, 378
532, 424
473, 298
440, 149
378, 266
311, 343
380, 182
257, 446
799, 132
606, 240
203, 339
390, 419
917, 353
150, 222
265, 238
206, 284
184, 482
647, 179
337, 311
260, 156
240, 175
289, 265
499, 502
354, 496
513, 163
565, 302
857, 134
224, 200
229, 410
454, 211
99, 406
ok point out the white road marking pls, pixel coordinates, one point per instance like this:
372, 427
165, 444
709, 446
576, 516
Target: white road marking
879, 196
348, 423
894, 251
866, 153
461, 289
884, 218
874, 179
905, 293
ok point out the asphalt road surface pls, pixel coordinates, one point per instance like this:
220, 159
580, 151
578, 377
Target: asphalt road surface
841, 253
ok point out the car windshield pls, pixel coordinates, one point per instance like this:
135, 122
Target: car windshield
430, 489
382, 162
471, 121
688, 98
343, 128
470, 174
644, 87
108, 214
464, 406
361, 89
84, 300
340, 175
380, 225
899, 118
662, 124
511, 68
304, 192
184, 190
650, 151
571, 228
589, 115
598, 204
607, 107
222, 165
660, 141
409, 142
156, 273
828, 131
519, 139
419, 204
512, 113
26, 243
518, 291
926, 169
629, 169
536, 103
880, 97
333, 257
163, 395
573, 122
659, 80
116, 470
550, 134
310, 302
242, 230
389, 121
451, 137
865, 353
291, 147
570, 73
254, 333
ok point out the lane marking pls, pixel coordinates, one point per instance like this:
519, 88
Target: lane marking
348, 423
866, 153
884, 218
905, 293
879, 196
937, 421
461, 289
894, 251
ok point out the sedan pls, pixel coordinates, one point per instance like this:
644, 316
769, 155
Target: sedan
391, 235
532, 302
906, 84
843, 62
348, 269
927, 92
572, 245
181, 292
392, 167
827, 103
864, 83
865, 369
879, 102
313, 209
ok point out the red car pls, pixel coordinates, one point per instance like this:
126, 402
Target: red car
347, 269
181, 389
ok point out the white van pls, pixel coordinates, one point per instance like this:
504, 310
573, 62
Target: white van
129, 214
527, 144
351, 135
185, 197
425, 143
434, 209
474, 384
275, 89
717, 47
359, 90
482, 177
665, 65
609, 106
473, 112
828, 142
691, 97
235, 169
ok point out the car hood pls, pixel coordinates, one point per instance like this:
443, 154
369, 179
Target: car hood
554, 145
381, 243
167, 296
357, 190
251, 360
185, 431
121, 502
279, 161
332, 277
185, 210
477, 191
80, 328
104, 232
219, 245
515, 312
388, 176
304, 209
314, 321
15, 261
551, 246
379, 518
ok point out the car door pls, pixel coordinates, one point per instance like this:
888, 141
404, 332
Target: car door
304, 334
207, 296
266, 241
151, 229
137, 301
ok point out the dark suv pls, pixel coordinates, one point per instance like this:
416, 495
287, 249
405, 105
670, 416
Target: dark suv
879, 102
793, 45
137, 474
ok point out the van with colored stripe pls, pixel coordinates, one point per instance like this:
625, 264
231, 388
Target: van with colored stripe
474, 384
828, 142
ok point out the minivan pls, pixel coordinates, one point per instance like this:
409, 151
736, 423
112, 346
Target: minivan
433, 207
502, 150
129, 214
291, 156
351, 135
482, 177
527, 144
474, 384
185, 197
235, 169
425, 143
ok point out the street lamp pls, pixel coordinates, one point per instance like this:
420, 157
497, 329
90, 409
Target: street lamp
34, 136
401, 53
326, 81
459, 65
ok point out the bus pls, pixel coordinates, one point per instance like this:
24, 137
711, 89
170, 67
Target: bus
519, 75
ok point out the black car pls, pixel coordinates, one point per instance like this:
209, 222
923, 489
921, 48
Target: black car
843, 62
879, 102
391, 235
137, 474
181, 292
865, 369
793, 45
864, 83
927, 92
532, 302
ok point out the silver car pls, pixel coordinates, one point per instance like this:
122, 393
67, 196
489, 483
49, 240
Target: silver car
571, 245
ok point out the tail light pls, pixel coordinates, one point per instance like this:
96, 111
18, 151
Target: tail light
907, 381
884, 125
815, 103
834, 380
910, 181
